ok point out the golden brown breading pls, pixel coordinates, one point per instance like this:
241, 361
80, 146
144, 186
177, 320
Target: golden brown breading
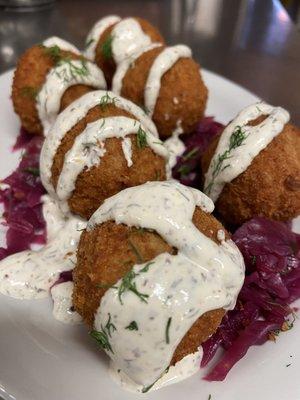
107, 64
30, 74
112, 174
105, 255
269, 187
182, 96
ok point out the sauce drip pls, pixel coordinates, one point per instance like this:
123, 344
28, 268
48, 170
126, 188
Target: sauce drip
61, 43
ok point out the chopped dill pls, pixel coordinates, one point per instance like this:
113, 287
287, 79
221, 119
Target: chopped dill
146, 267
102, 337
145, 109
32, 170
168, 330
288, 365
191, 154
73, 71
209, 397
107, 47
236, 139
147, 388
184, 170
141, 138
89, 42
127, 284
54, 52
133, 326
105, 286
29, 91
106, 100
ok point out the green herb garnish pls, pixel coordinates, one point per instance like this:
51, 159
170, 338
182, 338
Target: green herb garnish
128, 285
141, 138
184, 170
106, 100
136, 252
89, 42
105, 286
102, 337
107, 47
54, 52
191, 154
236, 139
209, 397
168, 330
32, 170
29, 91
73, 71
132, 326
146, 267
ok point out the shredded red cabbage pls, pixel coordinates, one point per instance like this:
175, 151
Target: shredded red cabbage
188, 167
22, 199
272, 258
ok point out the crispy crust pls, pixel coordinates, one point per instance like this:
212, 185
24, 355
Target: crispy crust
269, 187
112, 174
104, 256
31, 71
108, 66
182, 97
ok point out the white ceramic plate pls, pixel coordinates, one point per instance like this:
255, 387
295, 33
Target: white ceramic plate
42, 359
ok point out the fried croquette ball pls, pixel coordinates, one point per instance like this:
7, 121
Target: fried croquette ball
180, 101
269, 187
30, 77
106, 253
113, 173
118, 41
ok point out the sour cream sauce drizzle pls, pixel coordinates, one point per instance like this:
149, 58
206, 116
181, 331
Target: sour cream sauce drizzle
89, 147
256, 139
30, 274
163, 62
203, 276
73, 114
125, 65
95, 34
61, 43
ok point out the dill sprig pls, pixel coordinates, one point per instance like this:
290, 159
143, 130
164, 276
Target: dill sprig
54, 52
29, 91
168, 330
128, 285
141, 138
236, 139
73, 71
191, 154
107, 47
106, 100
89, 42
133, 326
102, 337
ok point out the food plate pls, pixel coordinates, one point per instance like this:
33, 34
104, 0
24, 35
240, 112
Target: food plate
41, 358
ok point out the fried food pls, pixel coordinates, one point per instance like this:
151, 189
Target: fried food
269, 187
112, 174
104, 57
182, 95
105, 255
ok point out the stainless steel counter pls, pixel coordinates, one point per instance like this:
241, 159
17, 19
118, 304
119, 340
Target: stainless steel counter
252, 42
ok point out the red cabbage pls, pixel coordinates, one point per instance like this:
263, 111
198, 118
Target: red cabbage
188, 167
272, 258
21, 199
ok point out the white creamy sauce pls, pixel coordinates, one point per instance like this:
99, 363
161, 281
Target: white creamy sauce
256, 138
163, 62
58, 80
183, 369
127, 150
30, 274
95, 34
61, 43
83, 153
62, 303
176, 148
69, 117
127, 38
175, 290
126, 64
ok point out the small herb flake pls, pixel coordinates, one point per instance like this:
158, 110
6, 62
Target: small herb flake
106, 100
191, 154
132, 326
107, 47
168, 330
29, 91
89, 42
141, 138
54, 52
209, 397
288, 365
102, 337
32, 170
127, 284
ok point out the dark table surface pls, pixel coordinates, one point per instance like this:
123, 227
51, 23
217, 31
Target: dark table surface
252, 42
